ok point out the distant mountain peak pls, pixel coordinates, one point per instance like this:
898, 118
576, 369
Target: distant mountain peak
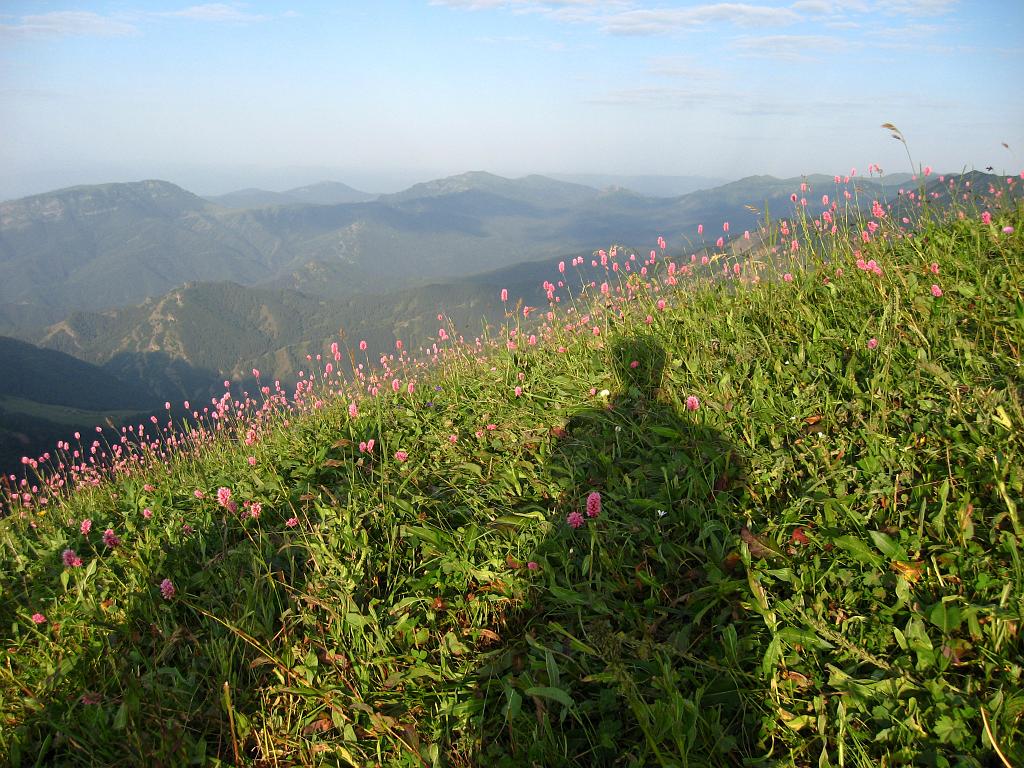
317, 193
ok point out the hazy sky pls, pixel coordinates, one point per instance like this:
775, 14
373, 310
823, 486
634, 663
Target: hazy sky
379, 94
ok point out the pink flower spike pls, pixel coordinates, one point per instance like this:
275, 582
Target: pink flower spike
71, 560
692, 403
936, 291
401, 455
85, 527
167, 589
575, 519
38, 618
223, 496
110, 539
593, 504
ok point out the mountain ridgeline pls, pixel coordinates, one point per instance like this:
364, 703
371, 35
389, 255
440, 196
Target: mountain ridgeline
97, 247
162, 294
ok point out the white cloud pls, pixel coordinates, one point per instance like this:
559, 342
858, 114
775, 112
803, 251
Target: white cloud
215, 12
67, 24
526, 5
830, 7
789, 47
917, 7
664, 20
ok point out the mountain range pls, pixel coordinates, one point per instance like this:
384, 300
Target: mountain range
96, 247
321, 193
167, 294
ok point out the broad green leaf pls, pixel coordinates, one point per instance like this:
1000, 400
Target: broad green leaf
552, 693
857, 549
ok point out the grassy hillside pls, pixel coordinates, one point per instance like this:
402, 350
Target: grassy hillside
766, 520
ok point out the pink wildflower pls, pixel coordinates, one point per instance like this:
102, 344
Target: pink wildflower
518, 391
936, 291
872, 342
85, 527
252, 461
401, 455
199, 494
291, 522
147, 513
532, 565
692, 403
934, 268
986, 218
71, 560
38, 618
167, 589
788, 277
353, 410
110, 539
254, 509
575, 519
593, 504
223, 496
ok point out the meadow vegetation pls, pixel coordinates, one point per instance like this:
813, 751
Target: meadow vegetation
760, 511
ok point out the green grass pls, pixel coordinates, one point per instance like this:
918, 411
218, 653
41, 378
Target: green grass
819, 566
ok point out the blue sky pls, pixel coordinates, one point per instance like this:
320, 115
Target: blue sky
379, 94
